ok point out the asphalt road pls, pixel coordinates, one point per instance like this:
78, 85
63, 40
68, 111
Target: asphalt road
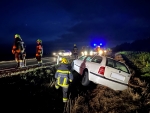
12, 64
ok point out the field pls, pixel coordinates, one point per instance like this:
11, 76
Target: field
35, 92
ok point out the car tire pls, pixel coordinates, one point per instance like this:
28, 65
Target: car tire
85, 79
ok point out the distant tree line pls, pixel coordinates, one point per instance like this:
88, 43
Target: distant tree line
137, 45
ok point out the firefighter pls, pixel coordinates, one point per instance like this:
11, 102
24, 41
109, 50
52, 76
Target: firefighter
18, 50
63, 77
39, 52
75, 51
98, 49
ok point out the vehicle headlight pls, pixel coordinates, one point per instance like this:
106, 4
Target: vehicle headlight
91, 52
54, 53
85, 52
65, 54
105, 51
100, 51
60, 53
82, 53
60, 59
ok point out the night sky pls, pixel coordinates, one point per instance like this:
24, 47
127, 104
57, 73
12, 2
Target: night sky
83, 22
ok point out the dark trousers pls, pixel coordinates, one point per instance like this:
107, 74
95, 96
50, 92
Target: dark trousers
24, 59
18, 56
39, 59
19, 59
65, 92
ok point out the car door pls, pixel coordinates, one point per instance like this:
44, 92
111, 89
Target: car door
85, 64
95, 64
117, 71
78, 63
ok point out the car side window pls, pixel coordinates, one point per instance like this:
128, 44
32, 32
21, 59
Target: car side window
121, 67
82, 58
110, 63
97, 59
117, 65
89, 58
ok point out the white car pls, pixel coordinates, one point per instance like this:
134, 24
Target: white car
102, 70
63, 53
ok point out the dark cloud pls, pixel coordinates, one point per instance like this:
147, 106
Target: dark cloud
76, 21
113, 21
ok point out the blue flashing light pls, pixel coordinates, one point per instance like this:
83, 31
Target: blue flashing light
100, 44
94, 44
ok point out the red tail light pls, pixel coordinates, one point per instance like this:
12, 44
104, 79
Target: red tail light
101, 70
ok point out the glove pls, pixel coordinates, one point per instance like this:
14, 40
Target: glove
22, 51
70, 80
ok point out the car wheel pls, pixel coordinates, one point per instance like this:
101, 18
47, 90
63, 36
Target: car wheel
85, 79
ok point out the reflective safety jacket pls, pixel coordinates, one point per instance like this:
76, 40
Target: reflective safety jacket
18, 46
63, 76
39, 50
98, 49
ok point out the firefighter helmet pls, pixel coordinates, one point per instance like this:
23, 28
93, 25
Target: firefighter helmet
74, 44
40, 41
17, 36
64, 60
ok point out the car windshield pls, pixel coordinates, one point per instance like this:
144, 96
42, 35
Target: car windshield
67, 51
61, 51
89, 58
82, 57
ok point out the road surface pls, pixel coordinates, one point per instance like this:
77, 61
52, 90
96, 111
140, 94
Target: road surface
12, 64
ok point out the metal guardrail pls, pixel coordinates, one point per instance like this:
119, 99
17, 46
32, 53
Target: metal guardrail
16, 71
4, 72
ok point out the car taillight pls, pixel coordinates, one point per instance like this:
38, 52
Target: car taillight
101, 70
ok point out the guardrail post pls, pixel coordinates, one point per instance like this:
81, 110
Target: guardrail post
58, 59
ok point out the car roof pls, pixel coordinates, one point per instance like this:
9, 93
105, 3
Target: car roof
105, 57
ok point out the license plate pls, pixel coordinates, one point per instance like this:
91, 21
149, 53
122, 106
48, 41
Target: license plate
117, 76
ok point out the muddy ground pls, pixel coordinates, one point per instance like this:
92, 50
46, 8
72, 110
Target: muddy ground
35, 92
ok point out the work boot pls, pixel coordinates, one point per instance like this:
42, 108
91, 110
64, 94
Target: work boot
65, 100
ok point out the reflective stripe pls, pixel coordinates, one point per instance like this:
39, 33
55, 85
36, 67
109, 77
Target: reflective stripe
20, 60
65, 86
39, 61
65, 99
65, 79
56, 86
64, 82
64, 72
